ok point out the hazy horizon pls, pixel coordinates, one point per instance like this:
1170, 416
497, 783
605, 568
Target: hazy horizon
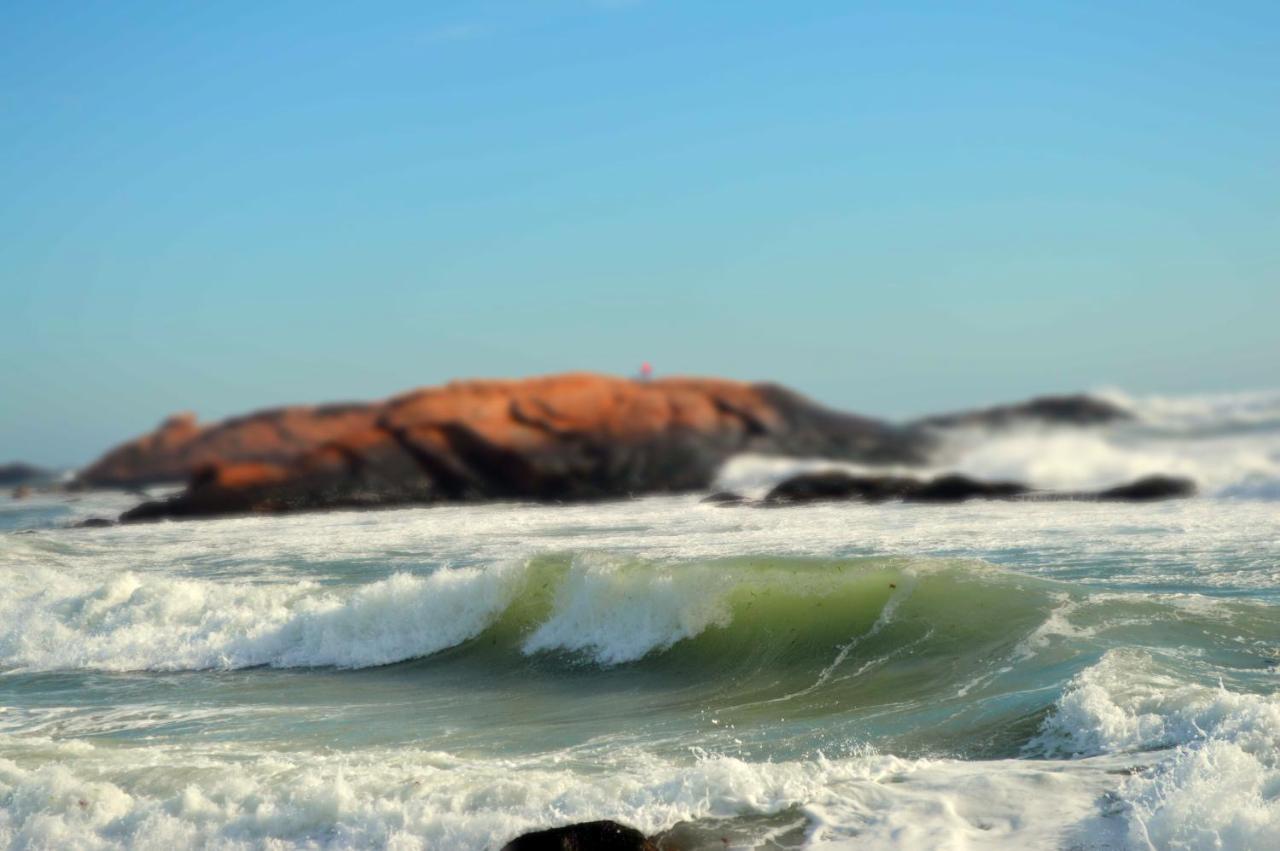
893, 210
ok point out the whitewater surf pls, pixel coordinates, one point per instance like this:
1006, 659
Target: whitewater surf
841, 675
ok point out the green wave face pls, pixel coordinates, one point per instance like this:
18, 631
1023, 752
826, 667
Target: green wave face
796, 656
763, 656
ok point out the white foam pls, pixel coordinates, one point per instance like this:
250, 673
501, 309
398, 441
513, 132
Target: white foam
143, 798
1204, 411
1215, 780
619, 614
1057, 459
139, 622
1221, 442
612, 609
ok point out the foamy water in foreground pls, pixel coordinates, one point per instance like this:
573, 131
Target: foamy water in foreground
988, 675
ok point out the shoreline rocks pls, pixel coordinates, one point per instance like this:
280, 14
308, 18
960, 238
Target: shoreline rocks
836, 486
562, 438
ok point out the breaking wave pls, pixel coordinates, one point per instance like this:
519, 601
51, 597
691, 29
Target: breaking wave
1132, 757
1211, 775
585, 608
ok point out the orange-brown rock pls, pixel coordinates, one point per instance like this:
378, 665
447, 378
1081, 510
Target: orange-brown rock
564, 437
180, 446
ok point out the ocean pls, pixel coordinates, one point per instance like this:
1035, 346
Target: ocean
989, 675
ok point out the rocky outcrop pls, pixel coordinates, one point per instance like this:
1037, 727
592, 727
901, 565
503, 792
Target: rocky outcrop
836, 486
558, 438
584, 836
18, 473
181, 446
1071, 410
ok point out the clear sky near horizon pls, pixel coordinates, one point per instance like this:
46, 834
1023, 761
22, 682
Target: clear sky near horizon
894, 207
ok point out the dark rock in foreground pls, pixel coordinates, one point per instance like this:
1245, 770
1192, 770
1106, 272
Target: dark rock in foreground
838, 486
585, 836
559, 438
19, 473
1074, 410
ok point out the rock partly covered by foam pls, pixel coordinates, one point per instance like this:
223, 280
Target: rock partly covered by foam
557, 438
584, 836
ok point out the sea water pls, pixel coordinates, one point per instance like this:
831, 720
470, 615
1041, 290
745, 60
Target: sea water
1067, 675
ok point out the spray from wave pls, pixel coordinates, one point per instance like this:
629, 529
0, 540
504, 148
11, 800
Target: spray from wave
1229, 445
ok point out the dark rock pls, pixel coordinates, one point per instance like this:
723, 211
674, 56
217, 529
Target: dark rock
724, 498
18, 473
554, 439
95, 523
1075, 410
1150, 488
834, 485
956, 488
828, 486
585, 836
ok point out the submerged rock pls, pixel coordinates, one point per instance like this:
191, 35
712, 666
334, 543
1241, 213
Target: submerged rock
560, 438
585, 836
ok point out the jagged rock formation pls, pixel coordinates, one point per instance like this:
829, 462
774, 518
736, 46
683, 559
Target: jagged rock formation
558, 438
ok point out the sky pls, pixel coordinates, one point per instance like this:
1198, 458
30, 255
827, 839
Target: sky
893, 207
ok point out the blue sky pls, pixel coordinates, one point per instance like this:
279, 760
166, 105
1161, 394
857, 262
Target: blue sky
894, 207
